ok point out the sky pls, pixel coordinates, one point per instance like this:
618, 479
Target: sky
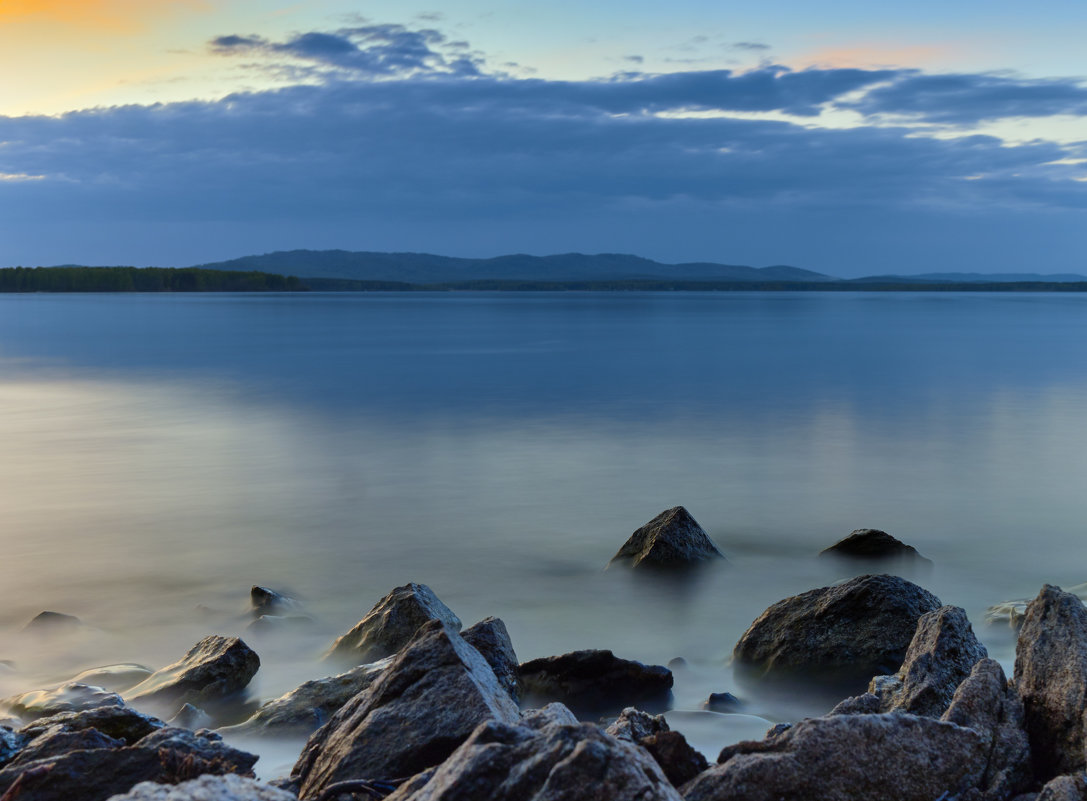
853, 138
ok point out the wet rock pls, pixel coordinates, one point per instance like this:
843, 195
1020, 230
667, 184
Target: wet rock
671, 539
633, 724
95, 774
69, 697
50, 622
391, 624
723, 702
207, 788
503, 762
428, 701
870, 544
115, 678
596, 682
191, 718
213, 670
310, 705
889, 757
679, 761
986, 703
1051, 676
119, 722
269, 602
1065, 788
841, 635
57, 740
490, 638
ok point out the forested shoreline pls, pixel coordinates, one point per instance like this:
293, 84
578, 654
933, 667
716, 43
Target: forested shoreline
141, 279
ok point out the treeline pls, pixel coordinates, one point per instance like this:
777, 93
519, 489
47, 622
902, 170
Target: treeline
142, 279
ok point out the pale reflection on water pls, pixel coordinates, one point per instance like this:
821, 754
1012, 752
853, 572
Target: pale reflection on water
388, 440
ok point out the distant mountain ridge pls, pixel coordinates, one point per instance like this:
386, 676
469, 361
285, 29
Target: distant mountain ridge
425, 268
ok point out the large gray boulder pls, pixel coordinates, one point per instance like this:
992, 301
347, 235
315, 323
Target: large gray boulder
671, 539
873, 545
887, 757
391, 624
1051, 676
490, 638
596, 682
207, 788
575, 762
213, 670
428, 701
842, 635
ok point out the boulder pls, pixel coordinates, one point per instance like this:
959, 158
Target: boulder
71, 697
887, 757
679, 761
120, 722
115, 678
391, 625
871, 545
425, 704
596, 682
573, 762
58, 740
1013, 612
1065, 788
1051, 676
490, 638
634, 724
671, 539
840, 635
213, 670
310, 705
722, 702
230, 787
269, 602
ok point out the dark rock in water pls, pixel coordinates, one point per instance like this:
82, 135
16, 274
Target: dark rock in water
679, 761
191, 718
841, 635
269, 602
58, 740
69, 697
391, 624
1051, 676
213, 670
671, 539
115, 678
891, 757
53, 622
119, 722
634, 724
677, 663
1065, 788
425, 704
208, 788
310, 705
723, 702
166, 756
505, 762
872, 544
490, 638
595, 682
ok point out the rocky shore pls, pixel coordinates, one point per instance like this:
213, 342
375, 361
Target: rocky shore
423, 709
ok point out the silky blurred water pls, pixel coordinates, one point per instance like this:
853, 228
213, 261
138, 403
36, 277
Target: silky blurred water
161, 453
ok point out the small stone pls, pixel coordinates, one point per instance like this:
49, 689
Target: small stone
723, 702
632, 725
671, 539
871, 544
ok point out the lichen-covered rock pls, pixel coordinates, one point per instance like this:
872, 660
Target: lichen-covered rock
428, 701
503, 762
71, 697
596, 682
886, 757
871, 544
671, 539
490, 638
391, 624
841, 635
1051, 676
213, 670
207, 788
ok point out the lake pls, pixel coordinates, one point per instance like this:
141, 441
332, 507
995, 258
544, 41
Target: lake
161, 453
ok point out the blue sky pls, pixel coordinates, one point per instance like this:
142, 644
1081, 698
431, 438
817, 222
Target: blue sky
850, 138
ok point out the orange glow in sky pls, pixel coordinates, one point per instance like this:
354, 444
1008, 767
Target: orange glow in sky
113, 15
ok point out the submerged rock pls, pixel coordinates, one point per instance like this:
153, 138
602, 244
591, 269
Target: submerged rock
425, 704
115, 678
192, 718
596, 682
671, 539
1051, 676
71, 697
207, 788
269, 602
213, 670
870, 544
490, 638
722, 702
47, 622
391, 624
842, 635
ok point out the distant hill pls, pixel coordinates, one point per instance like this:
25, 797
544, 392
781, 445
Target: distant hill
978, 278
424, 268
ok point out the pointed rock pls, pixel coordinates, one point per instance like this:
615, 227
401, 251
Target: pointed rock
871, 544
213, 670
490, 638
671, 539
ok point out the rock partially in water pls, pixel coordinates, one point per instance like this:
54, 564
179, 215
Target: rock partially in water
428, 701
391, 624
888, 757
58, 740
310, 705
265, 601
1013, 612
192, 718
723, 702
671, 539
119, 722
115, 678
213, 670
506, 762
53, 622
207, 788
873, 545
1051, 676
841, 635
71, 697
490, 638
596, 682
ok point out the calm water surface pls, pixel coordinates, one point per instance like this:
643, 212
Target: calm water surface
160, 454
